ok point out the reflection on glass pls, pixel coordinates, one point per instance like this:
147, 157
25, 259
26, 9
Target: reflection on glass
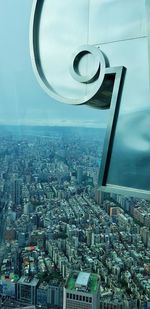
64, 243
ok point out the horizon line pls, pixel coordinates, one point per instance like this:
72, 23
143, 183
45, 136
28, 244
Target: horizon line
51, 125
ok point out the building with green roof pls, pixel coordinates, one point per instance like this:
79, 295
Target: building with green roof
82, 291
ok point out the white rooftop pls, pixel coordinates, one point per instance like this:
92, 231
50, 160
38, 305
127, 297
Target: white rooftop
82, 279
27, 281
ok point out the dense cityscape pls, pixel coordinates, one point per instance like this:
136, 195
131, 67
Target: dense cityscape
65, 244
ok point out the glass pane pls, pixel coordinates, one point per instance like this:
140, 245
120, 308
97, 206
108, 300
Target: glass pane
64, 243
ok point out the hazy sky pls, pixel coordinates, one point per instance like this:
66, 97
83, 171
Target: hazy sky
22, 101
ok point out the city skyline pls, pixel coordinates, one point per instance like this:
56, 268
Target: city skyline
56, 223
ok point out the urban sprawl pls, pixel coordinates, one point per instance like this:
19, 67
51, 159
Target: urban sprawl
65, 244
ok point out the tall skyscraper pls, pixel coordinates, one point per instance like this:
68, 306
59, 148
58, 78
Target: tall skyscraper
16, 191
81, 291
79, 174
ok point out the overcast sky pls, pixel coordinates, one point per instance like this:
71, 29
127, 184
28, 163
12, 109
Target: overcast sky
22, 100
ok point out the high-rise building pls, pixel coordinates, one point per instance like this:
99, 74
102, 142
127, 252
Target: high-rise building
55, 294
16, 191
21, 239
26, 290
50, 294
89, 236
42, 292
81, 291
79, 174
8, 285
10, 234
99, 196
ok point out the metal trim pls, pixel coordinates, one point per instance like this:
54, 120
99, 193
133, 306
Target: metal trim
109, 139
100, 64
119, 73
38, 71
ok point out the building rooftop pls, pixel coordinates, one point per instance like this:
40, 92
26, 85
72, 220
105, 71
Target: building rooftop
82, 279
43, 286
91, 286
28, 281
12, 277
